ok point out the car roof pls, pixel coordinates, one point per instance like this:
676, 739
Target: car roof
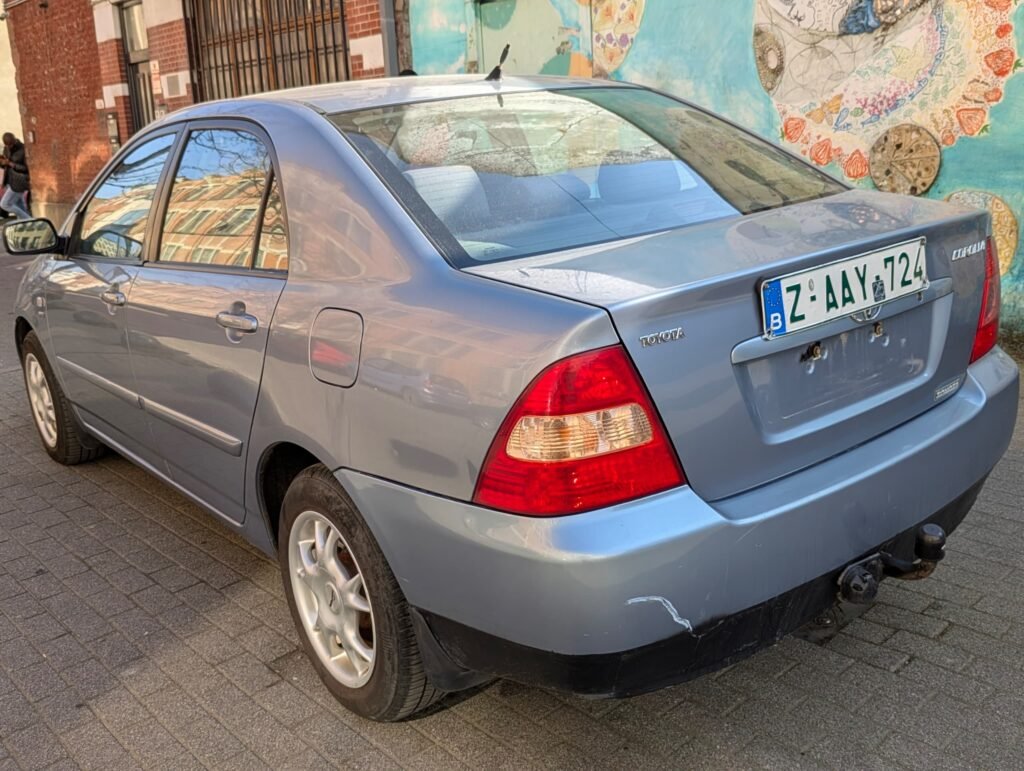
364, 94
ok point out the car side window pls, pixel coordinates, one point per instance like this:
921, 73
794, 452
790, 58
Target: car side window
272, 252
215, 199
114, 222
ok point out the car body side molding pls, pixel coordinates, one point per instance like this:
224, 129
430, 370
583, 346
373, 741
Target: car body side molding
198, 429
98, 380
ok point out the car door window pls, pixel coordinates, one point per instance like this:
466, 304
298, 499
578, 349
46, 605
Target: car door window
114, 222
272, 252
215, 199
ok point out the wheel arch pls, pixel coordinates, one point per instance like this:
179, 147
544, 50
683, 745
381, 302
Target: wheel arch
279, 464
21, 329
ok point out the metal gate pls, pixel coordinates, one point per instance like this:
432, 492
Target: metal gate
241, 47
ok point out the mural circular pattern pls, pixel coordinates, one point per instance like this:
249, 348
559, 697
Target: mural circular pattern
905, 160
770, 57
1005, 229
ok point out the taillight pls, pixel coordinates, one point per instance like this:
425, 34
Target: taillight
583, 435
988, 322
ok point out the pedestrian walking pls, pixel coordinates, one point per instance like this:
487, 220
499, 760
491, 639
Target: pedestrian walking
16, 177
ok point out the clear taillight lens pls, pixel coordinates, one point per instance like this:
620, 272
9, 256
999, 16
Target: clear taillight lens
546, 439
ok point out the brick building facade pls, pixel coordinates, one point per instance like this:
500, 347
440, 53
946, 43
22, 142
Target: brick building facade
122, 63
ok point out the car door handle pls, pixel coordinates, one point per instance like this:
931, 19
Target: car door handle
240, 322
113, 297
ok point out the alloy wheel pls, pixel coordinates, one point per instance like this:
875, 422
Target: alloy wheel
41, 399
332, 599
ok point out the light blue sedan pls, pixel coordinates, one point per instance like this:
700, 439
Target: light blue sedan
564, 381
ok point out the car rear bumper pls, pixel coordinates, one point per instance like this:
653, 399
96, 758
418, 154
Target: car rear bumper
669, 586
455, 652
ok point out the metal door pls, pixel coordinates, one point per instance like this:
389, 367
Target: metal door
200, 310
87, 292
198, 340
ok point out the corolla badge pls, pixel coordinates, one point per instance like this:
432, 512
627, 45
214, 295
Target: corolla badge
967, 251
665, 336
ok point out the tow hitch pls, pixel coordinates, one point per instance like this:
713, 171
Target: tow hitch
858, 583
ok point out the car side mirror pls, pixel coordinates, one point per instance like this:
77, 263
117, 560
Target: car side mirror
30, 237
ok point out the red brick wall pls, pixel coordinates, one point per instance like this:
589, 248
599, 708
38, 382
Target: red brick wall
168, 47
57, 69
113, 72
362, 19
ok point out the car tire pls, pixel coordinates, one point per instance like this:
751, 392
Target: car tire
323, 546
63, 438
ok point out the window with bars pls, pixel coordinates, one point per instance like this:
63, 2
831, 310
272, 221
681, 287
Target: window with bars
242, 47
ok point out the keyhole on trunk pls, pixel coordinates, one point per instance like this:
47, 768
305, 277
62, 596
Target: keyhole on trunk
814, 352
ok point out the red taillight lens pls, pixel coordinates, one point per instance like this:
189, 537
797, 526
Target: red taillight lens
988, 322
583, 435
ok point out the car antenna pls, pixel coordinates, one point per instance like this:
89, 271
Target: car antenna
496, 72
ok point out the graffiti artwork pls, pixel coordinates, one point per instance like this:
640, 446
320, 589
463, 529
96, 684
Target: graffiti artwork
615, 24
844, 72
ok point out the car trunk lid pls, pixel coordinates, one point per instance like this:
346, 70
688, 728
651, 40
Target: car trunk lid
742, 408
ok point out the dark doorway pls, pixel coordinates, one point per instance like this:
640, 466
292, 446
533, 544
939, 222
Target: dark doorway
136, 50
241, 47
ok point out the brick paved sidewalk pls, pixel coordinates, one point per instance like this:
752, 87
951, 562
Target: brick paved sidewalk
137, 632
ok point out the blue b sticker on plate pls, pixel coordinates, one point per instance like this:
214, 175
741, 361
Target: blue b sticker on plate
774, 311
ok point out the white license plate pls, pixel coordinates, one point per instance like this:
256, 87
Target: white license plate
812, 297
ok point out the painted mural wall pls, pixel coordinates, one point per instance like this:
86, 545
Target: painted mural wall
914, 96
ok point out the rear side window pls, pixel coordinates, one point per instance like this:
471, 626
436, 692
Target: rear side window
114, 222
493, 178
215, 201
272, 251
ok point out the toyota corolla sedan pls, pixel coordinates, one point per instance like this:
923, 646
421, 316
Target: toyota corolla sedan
564, 381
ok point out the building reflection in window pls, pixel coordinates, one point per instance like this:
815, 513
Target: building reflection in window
215, 199
115, 220
272, 253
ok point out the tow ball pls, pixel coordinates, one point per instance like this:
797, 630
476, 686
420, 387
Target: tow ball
858, 583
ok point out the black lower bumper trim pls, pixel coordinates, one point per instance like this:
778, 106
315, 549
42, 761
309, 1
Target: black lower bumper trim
457, 656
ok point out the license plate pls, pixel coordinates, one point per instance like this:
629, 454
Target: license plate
844, 288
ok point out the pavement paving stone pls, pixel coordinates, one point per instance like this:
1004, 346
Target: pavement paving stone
65, 711
89, 678
905, 620
936, 652
35, 747
869, 653
966, 688
94, 747
38, 681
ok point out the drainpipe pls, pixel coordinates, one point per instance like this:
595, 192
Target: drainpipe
389, 38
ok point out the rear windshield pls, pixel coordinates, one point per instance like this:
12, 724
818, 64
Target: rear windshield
502, 176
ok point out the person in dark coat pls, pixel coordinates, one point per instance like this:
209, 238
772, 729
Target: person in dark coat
16, 179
